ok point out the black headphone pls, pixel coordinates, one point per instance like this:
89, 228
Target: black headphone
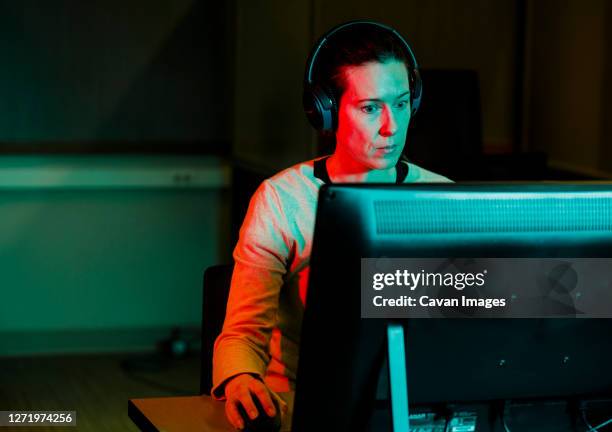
319, 102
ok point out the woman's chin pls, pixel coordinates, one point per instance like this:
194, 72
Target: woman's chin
384, 163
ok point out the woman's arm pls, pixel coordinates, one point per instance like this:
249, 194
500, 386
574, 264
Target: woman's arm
241, 353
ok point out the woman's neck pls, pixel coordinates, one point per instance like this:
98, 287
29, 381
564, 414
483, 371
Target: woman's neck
343, 169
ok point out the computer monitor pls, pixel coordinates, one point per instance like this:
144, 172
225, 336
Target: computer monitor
448, 360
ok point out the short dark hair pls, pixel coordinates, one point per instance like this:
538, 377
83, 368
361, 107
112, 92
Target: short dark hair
355, 46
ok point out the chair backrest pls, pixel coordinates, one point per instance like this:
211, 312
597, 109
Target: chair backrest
215, 291
446, 134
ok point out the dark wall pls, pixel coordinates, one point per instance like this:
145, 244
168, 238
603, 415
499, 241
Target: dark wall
569, 109
110, 74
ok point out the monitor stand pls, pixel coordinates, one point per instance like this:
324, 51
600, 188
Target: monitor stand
398, 382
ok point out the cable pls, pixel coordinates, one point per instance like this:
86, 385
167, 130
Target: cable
584, 419
590, 427
506, 428
505, 410
599, 426
446, 423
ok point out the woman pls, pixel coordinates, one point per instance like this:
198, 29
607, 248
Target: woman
362, 86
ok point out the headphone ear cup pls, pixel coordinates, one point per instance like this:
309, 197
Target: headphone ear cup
320, 108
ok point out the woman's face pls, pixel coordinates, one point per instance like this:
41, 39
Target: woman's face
374, 113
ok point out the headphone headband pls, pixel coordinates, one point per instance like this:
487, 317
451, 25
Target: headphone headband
319, 103
323, 39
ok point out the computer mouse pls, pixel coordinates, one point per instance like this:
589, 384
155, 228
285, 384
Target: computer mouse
263, 422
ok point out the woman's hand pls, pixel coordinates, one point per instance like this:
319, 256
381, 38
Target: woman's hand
241, 389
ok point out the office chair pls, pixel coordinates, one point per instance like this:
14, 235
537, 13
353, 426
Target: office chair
215, 291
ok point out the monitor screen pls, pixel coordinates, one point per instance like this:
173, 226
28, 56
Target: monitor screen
448, 360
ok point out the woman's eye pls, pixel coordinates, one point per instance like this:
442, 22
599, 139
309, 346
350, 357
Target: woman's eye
369, 109
402, 104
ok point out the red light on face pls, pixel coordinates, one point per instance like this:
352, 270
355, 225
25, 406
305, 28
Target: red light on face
373, 116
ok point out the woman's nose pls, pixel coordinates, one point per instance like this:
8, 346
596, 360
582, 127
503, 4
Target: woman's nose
389, 122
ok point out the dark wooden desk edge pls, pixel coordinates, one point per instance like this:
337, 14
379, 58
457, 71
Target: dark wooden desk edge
139, 419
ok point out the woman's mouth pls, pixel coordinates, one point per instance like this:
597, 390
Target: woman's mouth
388, 149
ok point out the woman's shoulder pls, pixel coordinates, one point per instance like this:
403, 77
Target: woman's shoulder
417, 174
296, 176
290, 187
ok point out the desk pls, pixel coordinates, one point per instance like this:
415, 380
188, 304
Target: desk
203, 414
184, 414
179, 414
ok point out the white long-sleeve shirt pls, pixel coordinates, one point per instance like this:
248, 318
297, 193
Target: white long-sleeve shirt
261, 332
